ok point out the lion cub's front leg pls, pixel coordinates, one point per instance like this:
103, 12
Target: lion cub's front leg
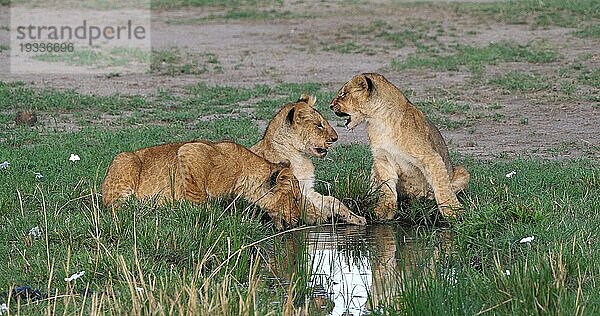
337, 207
385, 178
324, 207
320, 208
437, 176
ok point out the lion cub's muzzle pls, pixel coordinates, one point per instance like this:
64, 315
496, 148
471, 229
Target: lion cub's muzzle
336, 109
321, 152
343, 115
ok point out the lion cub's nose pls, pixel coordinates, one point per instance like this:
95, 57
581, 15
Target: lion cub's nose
331, 106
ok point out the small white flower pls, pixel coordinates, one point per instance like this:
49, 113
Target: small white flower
511, 174
3, 309
507, 272
38, 175
74, 158
527, 239
75, 276
35, 232
139, 289
4, 165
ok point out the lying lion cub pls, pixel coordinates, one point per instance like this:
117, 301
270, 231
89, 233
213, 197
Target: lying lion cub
410, 156
200, 169
297, 132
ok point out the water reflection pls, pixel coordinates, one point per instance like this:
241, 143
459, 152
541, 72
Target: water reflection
352, 269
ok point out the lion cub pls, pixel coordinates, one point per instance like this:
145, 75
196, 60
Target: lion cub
296, 133
200, 169
410, 156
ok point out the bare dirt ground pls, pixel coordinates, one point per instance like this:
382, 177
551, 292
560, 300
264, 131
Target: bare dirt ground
292, 49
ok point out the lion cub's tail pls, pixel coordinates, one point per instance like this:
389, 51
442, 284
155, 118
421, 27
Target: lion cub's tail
460, 179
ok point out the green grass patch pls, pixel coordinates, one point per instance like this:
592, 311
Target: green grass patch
173, 62
242, 14
170, 4
196, 105
590, 31
348, 47
536, 13
4, 47
19, 96
447, 113
520, 81
420, 33
591, 77
257, 15
97, 58
165, 62
475, 58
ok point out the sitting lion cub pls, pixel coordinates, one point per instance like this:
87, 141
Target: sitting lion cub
297, 132
410, 156
200, 169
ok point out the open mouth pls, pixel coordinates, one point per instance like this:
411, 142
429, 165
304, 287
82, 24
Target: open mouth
319, 151
346, 115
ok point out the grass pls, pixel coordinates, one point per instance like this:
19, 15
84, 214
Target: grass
97, 58
417, 32
536, 13
591, 77
171, 4
173, 62
348, 47
242, 14
520, 81
188, 259
199, 103
170, 61
475, 58
591, 31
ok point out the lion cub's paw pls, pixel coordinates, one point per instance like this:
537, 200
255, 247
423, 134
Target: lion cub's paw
385, 211
356, 220
451, 211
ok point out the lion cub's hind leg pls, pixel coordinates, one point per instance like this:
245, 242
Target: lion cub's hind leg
436, 173
192, 160
122, 178
412, 182
460, 179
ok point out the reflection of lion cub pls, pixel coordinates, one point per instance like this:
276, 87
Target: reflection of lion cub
410, 156
200, 169
297, 132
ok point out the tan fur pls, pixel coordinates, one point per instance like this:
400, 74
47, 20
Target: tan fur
297, 132
410, 156
198, 170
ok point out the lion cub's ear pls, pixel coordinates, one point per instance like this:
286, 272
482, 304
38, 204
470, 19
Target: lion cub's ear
273, 178
281, 175
308, 99
284, 163
365, 83
290, 116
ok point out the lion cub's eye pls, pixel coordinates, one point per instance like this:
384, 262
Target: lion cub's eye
319, 125
343, 94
